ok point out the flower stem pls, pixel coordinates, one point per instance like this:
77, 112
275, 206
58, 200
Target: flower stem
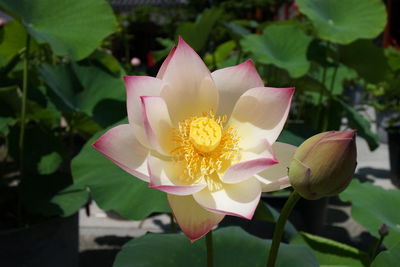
210, 253
285, 212
23, 104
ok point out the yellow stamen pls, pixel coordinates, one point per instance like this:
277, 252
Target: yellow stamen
205, 148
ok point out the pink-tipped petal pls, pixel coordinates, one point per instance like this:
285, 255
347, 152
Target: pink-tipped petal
253, 160
165, 63
275, 177
238, 199
260, 113
276, 185
157, 124
194, 221
120, 145
137, 86
232, 82
190, 90
168, 176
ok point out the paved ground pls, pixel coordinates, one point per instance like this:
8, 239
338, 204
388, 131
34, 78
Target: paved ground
101, 236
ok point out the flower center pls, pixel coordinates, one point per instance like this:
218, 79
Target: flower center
205, 148
205, 134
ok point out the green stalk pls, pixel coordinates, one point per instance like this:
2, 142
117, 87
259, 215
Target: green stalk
23, 104
321, 95
173, 225
375, 249
280, 225
324, 126
210, 253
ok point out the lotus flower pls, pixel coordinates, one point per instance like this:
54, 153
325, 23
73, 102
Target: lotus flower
206, 139
324, 164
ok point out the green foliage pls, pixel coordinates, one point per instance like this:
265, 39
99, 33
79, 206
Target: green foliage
367, 59
72, 28
284, 46
12, 41
332, 253
51, 195
86, 88
373, 206
390, 257
232, 247
197, 33
114, 189
362, 125
49, 163
5, 123
221, 55
345, 21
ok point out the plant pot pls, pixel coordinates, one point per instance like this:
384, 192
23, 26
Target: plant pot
52, 243
394, 154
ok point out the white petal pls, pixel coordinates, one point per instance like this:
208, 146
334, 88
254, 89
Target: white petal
157, 124
260, 113
275, 177
165, 63
190, 90
253, 160
194, 221
120, 145
137, 86
168, 176
232, 82
238, 199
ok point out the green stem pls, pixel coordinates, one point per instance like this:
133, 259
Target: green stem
23, 104
321, 96
375, 249
333, 79
210, 253
173, 225
280, 225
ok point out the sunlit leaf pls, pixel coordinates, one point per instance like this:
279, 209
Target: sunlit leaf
373, 206
284, 46
330, 252
345, 21
73, 28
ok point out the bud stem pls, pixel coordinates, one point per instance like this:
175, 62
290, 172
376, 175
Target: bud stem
285, 212
210, 252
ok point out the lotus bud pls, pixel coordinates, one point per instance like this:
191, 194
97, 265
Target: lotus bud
324, 164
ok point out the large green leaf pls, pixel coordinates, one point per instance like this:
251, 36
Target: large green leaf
232, 247
330, 252
345, 21
86, 88
114, 189
390, 257
73, 28
367, 59
284, 46
197, 33
362, 125
373, 206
